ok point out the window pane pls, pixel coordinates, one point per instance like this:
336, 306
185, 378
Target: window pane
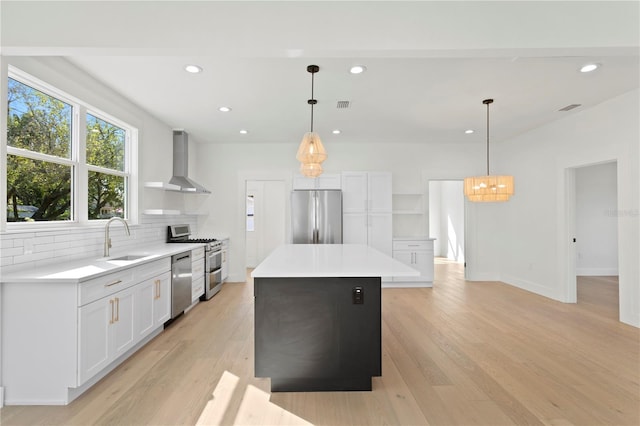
105, 144
37, 190
38, 122
106, 196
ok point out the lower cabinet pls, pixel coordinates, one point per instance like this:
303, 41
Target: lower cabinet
224, 268
56, 345
418, 254
107, 330
111, 326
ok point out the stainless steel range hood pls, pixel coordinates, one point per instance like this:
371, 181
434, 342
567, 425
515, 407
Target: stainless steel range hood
181, 164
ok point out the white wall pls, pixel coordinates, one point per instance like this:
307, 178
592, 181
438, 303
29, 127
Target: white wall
596, 220
534, 238
411, 165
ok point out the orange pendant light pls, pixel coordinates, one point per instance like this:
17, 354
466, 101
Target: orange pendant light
311, 152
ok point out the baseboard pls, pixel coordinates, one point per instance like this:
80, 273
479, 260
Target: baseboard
531, 287
406, 284
597, 272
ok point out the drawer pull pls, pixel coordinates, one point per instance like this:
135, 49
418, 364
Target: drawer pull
113, 283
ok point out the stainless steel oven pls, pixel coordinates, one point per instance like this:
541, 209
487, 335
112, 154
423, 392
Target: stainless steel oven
212, 257
212, 270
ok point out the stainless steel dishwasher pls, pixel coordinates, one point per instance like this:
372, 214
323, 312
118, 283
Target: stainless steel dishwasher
180, 283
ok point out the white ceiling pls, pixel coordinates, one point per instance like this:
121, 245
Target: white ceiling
429, 64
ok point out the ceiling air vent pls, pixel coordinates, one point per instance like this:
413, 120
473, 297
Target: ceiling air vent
570, 107
343, 104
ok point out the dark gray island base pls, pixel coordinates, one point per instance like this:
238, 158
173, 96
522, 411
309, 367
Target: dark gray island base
318, 333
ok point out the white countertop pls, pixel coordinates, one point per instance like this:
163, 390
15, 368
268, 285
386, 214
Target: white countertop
76, 271
414, 239
330, 260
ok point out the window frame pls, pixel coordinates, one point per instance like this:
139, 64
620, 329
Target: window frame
79, 167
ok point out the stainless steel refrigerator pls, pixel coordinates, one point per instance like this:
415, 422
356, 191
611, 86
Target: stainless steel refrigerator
316, 216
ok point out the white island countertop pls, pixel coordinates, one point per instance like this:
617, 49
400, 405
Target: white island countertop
330, 260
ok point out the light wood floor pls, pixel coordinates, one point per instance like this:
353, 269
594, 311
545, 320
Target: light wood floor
460, 353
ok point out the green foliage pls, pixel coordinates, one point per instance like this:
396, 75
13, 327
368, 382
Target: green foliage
42, 190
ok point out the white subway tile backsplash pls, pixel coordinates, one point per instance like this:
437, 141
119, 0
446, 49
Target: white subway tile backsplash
20, 250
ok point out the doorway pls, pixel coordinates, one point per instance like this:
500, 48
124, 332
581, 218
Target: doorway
596, 234
447, 222
265, 219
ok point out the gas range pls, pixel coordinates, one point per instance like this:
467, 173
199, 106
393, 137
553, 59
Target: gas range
181, 233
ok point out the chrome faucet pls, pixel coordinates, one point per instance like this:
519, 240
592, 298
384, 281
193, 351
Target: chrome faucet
107, 239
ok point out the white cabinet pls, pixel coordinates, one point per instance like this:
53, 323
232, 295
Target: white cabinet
197, 274
153, 303
324, 181
57, 345
224, 269
107, 330
366, 207
417, 253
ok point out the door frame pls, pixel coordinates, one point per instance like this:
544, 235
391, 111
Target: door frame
257, 175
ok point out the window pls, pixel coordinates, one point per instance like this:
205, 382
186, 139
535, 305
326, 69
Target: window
59, 154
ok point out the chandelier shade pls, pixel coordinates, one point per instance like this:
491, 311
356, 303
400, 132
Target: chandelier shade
488, 188
311, 152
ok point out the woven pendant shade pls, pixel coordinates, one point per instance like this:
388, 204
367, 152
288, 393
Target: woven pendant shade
311, 152
488, 188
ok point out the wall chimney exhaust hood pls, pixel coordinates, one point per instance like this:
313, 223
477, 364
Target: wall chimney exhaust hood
181, 165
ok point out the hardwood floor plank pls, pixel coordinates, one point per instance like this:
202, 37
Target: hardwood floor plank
460, 353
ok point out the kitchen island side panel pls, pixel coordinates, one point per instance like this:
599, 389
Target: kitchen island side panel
313, 334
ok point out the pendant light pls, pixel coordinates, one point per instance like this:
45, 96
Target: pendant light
488, 188
311, 152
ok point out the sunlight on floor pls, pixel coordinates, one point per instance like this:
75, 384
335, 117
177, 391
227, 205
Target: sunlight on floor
255, 408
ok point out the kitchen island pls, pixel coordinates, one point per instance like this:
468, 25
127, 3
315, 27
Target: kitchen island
318, 316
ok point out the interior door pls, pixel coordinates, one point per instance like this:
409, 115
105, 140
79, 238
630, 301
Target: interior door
265, 226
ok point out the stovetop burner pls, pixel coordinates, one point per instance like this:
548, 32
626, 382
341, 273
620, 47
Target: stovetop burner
193, 240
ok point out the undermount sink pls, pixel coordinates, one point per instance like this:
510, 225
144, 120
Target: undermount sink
129, 257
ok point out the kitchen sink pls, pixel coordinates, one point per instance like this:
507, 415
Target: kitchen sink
129, 257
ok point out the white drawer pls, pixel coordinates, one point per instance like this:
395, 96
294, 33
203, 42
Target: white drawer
197, 288
412, 245
97, 288
197, 254
197, 269
151, 269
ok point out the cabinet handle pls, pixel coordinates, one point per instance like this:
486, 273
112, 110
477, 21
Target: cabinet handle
111, 319
414, 245
158, 289
113, 283
117, 309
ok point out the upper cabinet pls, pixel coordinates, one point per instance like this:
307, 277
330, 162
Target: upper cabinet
366, 192
324, 181
366, 208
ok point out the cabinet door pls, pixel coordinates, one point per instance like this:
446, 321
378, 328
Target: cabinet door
303, 182
354, 228
144, 307
380, 232
354, 192
329, 181
408, 258
424, 263
124, 330
162, 299
95, 323
379, 192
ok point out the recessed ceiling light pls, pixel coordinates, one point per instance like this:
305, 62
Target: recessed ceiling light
589, 67
193, 69
244, 132
469, 131
336, 132
224, 109
357, 69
